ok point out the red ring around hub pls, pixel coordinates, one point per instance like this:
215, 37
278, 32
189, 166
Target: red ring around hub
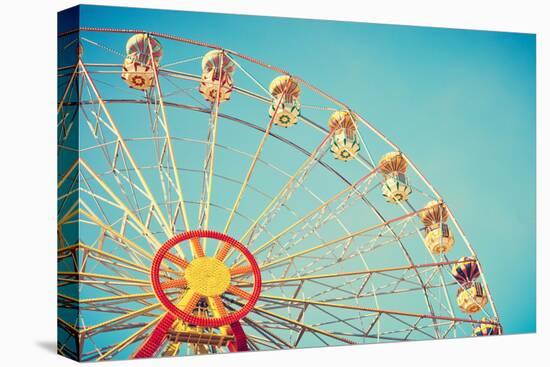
202, 321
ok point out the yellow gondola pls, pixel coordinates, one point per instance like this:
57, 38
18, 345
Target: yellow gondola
471, 298
438, 237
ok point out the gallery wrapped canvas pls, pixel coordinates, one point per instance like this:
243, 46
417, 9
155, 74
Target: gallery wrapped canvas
226, 184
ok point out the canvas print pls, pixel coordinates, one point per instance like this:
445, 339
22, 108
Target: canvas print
233, 183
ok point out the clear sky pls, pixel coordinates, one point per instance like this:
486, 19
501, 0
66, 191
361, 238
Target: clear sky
460, 103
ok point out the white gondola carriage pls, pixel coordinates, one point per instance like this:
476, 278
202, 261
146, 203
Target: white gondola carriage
395, 187
217, 76
142, 51
344, 145
285, 106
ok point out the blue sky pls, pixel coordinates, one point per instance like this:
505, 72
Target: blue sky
460, 103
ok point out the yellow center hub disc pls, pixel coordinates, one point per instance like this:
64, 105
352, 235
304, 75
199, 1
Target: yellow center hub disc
207, 276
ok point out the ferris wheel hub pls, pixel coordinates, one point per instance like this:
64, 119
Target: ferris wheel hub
206, 279
208, 276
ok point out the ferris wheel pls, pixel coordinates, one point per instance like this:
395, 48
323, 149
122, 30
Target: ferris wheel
210, 202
